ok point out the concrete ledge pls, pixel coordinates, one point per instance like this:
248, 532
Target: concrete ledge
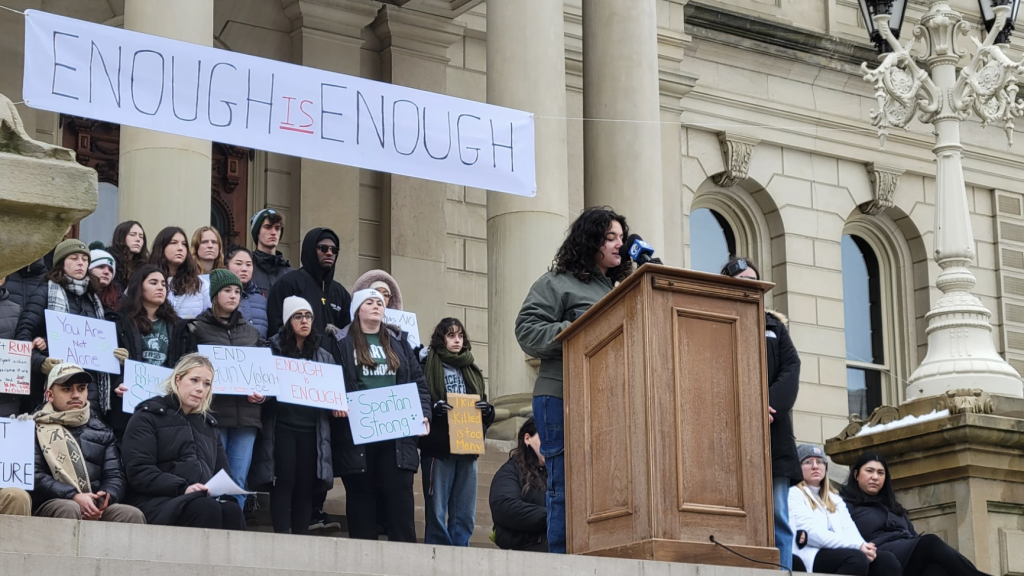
27, 546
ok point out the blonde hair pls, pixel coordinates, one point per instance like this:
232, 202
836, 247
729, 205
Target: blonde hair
188, 363
197, 237
825, 492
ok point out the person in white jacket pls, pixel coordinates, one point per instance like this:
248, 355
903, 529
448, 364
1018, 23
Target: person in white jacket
825, 538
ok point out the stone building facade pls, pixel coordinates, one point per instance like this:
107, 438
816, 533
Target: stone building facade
735, 123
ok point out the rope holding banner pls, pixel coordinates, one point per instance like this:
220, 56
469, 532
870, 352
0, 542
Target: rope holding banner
11, 10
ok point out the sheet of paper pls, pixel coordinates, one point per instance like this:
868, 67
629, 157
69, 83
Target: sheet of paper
385, 413
143, 382
222, 485
15, 365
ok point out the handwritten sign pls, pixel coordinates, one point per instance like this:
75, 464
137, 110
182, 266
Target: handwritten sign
385, 413
17, 454
15, 365
143, 382
88, 342
407, 322
241, 370
465, 424
134, 79
310, 383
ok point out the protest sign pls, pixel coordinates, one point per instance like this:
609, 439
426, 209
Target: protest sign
385, 413
15, 364
143, 382
465, 424
241, 370
406, 321
17, 453
134, 79
310, 383
88, 342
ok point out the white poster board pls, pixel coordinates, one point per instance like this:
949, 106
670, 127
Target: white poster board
143, 382
241, 370
88, 342
15, 366
134, 79
385, 413
17, 454
310, 383
407, 322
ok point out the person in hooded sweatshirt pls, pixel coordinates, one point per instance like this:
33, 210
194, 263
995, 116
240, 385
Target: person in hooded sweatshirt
266, 228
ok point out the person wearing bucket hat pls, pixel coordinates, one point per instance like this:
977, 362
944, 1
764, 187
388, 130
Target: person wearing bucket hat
266, 228
826, 540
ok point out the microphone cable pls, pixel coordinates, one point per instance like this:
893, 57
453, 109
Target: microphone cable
780, 566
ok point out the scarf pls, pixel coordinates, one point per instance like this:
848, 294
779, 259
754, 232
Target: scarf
57, 300
60, 449
462, 361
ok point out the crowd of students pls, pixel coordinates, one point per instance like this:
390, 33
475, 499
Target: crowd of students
96, 462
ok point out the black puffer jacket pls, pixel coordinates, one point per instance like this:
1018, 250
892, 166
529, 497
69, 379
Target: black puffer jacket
350, 458
262, 474
889, 531
267, 270
520, 520
232, 411
165, 452
783, 386
129, 338
10, 404
329, 299
24, 283
102, 460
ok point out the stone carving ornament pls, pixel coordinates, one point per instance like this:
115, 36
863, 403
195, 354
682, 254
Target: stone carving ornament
884, 180
736, 151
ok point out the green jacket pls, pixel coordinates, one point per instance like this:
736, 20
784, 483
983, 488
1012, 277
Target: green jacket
554, 301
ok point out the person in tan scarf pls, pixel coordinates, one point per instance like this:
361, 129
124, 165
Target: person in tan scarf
78, 472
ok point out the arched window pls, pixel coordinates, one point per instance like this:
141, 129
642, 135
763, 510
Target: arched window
866, 362
712, 241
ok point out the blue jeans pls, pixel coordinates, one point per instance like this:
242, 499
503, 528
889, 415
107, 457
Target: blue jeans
238, 443
549, 415
449, 489
783, 531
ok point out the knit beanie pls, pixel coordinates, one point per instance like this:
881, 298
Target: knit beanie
221, 279
256, 222
805, 451
362, 296
293, 304
101, 258
67, 248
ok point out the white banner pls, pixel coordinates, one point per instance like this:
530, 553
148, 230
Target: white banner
88, 342
385, 413
241, 370
17, 454
126, 77
310, 383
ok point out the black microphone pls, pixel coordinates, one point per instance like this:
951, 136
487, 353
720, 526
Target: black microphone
635, 249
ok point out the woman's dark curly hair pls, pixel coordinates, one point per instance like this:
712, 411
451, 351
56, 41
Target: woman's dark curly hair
584, 241
289, 343
133, 308
437, 341
127, 261
532, 473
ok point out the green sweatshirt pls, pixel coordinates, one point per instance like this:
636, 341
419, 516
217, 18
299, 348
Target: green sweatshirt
552, 301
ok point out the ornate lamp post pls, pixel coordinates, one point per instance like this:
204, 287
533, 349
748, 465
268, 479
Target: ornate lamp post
961, 353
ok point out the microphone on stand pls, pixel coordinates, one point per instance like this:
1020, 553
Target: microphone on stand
635, 249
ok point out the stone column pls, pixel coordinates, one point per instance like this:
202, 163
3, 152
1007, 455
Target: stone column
165, 179
414, 53
327, 34
525, 70
622, 144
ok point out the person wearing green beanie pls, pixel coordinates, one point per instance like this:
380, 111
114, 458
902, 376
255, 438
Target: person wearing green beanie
67, 248
221, 279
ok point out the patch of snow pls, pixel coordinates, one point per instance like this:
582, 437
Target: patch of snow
905, 421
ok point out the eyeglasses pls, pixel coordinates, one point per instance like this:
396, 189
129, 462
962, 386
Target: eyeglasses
813, 461
325, 248
307, 317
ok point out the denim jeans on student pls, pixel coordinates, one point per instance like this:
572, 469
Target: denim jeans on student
449, 489
783, 531
238, 443
549, 416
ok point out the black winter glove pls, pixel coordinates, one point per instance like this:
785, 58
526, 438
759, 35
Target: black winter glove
486, 408
441, 408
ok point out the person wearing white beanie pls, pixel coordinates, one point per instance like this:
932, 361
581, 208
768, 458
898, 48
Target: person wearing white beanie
103, 268
362, 296
293, 304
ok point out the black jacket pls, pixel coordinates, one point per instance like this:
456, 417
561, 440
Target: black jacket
329, 299
267, 270
23, 283
888, 531
10, 404
350, 458
102, 460
783, 386
262, 473
129, 338
232, 411
165, 452
520, 520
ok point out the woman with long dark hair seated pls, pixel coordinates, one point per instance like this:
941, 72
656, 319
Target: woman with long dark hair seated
883, 521
517, 496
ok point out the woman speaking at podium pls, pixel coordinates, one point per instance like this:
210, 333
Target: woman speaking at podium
585, 268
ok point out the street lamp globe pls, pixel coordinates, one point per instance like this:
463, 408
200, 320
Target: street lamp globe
988, 14
897, 9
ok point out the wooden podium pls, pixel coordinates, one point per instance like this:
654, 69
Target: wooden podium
666, 423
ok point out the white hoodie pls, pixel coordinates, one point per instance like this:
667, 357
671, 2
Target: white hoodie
824, 529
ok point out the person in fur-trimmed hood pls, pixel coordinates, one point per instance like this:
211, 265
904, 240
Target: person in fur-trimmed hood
783, 386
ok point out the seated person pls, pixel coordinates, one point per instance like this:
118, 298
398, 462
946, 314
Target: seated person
883, 521
15, 502
825, 538
78, 471
172, 447
517, 496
